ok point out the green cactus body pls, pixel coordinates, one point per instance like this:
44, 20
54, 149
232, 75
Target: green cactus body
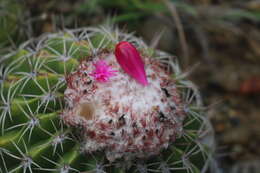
35, 139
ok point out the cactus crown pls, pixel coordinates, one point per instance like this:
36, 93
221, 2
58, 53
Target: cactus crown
32, 84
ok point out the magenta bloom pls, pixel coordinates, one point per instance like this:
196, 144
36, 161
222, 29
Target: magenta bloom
130, 61
103, 72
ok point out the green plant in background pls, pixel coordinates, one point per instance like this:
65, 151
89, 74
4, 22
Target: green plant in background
131, 10
35, 139
10, 12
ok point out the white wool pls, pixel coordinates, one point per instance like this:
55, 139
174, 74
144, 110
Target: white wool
123, 97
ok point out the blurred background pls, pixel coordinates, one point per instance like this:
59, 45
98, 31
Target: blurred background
217, 42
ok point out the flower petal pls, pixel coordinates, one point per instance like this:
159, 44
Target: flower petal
130, 60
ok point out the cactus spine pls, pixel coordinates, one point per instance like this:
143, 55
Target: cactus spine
35, 139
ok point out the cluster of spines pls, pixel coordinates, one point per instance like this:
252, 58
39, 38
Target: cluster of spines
32, 85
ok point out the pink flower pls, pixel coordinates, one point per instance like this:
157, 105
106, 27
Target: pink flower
103, 72
130, 61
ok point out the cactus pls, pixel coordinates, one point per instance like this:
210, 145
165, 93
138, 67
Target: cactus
40, 134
